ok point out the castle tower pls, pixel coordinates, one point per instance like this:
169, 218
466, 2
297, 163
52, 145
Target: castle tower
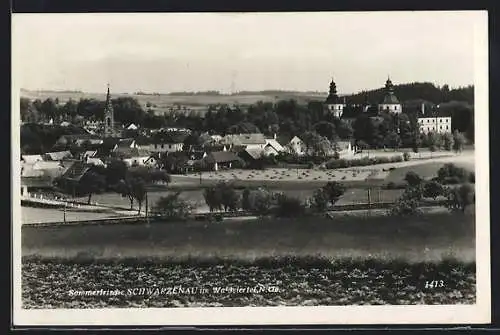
109, 118
390, 103
333, 103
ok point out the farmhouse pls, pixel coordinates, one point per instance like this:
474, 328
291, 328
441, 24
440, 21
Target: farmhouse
31, 159
221, 160
297, 146
32, 184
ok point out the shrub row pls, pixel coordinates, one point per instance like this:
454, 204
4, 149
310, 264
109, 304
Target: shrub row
344, 163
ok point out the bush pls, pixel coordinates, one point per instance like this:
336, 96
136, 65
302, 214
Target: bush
365, 161
289, 206
406, 156
405, 207
452, 172
433, 189
461, 197
413, 179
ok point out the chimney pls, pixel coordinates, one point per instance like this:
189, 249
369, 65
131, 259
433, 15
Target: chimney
274, 136
422, 109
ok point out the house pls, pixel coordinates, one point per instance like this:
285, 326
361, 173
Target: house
31, 159
49, 169
65, 124
146, 160
125, 144
90, 153
344, 148
434, 121
250, 141
273, 147
297, 146
222, 160
57, 156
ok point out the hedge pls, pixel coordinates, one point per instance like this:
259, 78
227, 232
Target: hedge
344, 163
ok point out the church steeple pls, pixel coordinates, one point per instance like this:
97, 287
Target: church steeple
389, 87
109, 118
390, 102
332, 94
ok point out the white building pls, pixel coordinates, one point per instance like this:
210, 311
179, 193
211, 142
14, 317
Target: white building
390, 103
439, 124
333, 103
434, 121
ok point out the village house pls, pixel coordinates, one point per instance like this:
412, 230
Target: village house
273, 147
296, 146
222, 160
31, 159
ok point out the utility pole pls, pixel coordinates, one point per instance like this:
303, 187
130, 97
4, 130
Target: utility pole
64, 212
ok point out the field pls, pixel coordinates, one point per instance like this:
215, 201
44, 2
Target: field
164, 102
371, 260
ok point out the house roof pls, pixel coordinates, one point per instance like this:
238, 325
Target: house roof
435, 113
170, 137
244, 139
254, 153
76, 171
221, 157
59, 155
132, 127
275, 144
90, 153
95, 161
125, 142
130, 152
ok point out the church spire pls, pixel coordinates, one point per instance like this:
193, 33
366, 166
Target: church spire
109, 118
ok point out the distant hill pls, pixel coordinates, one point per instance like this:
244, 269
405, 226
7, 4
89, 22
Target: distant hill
415, 91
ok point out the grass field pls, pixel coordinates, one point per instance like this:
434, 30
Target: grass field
429, 237
346, 261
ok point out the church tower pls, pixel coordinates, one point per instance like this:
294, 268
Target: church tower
333, 102
109, 118
390, 102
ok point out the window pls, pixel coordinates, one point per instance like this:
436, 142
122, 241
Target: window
440, 120
156, 146
162, 146
446, 127
440, 127
170, 146
396, 107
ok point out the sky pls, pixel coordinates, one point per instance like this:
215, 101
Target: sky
167, 52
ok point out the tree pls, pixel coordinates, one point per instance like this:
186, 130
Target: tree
139, 192
229, 197
319, 200
92, 183
213, 198
413, 179
334, 191
433, 141
459, 198
458, 141
433, 189
172, 206
392, 140
115, 171
257, 201
448, 141
160, 175
325, 129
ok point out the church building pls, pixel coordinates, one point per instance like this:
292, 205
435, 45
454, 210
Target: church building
390, 103
333, 103
109, 118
